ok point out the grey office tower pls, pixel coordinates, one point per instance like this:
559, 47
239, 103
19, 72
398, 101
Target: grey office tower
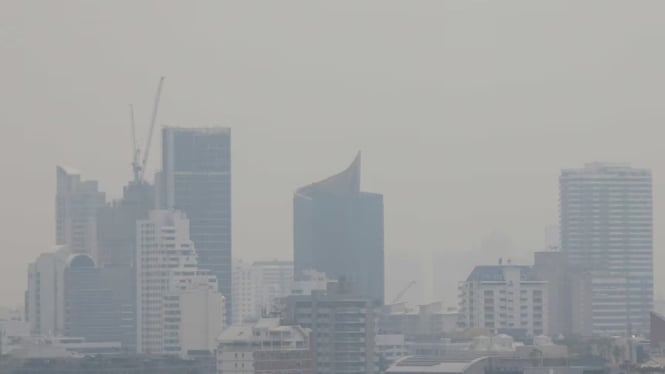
338, 230
196, 179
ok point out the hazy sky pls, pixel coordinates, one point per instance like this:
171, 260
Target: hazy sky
465, 112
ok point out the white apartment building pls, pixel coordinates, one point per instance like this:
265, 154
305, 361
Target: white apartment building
193, 310
45, 295
265, 347
246, 284
504, 298
168, 280
257, 286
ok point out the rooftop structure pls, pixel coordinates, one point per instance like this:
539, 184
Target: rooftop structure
265, 346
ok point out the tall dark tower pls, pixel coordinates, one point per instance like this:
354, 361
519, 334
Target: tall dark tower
196, 179
338, 230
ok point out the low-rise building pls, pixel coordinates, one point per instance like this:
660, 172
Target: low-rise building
265, 347
504, 298
257, 286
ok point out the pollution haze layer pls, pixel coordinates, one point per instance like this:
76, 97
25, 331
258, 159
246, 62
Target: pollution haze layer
465, 112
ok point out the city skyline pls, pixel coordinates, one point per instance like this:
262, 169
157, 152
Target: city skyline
456, 105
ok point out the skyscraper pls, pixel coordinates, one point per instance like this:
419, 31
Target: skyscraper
607, 228
116, 242
338, 230
196, 179
76, 205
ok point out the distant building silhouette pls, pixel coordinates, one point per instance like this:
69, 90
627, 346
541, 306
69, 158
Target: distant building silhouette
116, 242
607, 228
196, 179
338, 230
569, 293
76, 204
89, 309
44, 297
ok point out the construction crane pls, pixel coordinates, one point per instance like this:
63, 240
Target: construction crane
401, 294
138, 165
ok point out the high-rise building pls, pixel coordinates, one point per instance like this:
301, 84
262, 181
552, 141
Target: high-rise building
338, 230
343, 325
76, 204
196, 179
504, 298
116, 243
44, 297
90, 311
607, 228
168, 278
265, 347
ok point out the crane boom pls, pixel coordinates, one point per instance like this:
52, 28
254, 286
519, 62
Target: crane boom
153, 120
401, 294
136, 153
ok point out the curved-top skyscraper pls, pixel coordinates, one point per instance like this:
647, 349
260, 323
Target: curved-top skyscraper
338, 229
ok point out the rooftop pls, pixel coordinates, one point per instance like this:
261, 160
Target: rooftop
495, 273
346, 182
444, 364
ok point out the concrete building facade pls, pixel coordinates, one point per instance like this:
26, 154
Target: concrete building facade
193, 310
343, 326
606, 219
167, 277
504, 298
